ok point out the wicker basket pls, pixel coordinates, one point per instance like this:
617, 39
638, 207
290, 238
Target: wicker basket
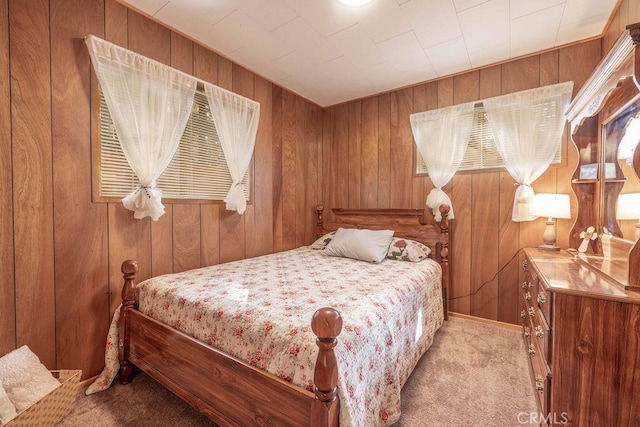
53, 407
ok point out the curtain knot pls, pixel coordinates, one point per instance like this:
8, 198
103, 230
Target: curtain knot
518, 184
146, 189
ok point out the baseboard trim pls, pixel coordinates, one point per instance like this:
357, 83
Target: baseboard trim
489, 321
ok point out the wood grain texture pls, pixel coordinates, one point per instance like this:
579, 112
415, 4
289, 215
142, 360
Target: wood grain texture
148, 38
401, 148
485, 189
81, 273
354, 152
162, 243
596, 368
521, 74
301, 170
231, 223
115, 23
7, 291
30, 67
461, 254
312, 152
276, 173
369, 183
508, 238
384, 151
186, 237
263, 177
288, 171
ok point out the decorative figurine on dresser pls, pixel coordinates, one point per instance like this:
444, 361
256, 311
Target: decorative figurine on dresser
580, 310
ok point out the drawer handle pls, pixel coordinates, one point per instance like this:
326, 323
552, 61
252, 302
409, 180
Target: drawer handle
539, 331
524, 285
542, 298
532, 312
527, 296
523, 314
527, 331
524, 263
532, 351
539, 383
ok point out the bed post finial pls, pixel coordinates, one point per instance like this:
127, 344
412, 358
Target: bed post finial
319, 220
129, 270
327, 325
444, 257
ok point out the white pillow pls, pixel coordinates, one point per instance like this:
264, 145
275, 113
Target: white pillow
24, 378
7, 410
364, 245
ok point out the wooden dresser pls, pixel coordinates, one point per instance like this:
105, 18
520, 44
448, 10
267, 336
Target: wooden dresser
582, 332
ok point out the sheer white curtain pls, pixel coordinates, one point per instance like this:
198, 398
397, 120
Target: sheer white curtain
150, 104
527, 128
441, 137
236, 119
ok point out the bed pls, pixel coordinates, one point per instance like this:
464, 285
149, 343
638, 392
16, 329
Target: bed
232, 386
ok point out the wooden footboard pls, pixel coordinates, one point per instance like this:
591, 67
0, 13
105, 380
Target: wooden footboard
225, 389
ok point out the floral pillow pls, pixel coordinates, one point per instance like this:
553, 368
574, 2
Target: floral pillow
323, 241
407, 250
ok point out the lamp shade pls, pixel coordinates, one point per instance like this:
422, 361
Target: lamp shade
628, 206
551, 205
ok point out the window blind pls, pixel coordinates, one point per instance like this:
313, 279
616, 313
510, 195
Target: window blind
198, 170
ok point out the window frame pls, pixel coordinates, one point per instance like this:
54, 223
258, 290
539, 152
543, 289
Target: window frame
96, 197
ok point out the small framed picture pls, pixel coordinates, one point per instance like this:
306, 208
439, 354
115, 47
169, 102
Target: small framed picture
589, 171
609, 170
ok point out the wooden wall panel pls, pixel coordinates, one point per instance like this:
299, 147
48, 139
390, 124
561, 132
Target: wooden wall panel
205, 67
401, 148
384, 151
340, 157
263, 177
115, 23
301, 170
312, 152
461, 249
354, 152
80, 225
162, 243
485, 194
32, 176
231, 224
7, 292
369, 183
186, 237
288, 170
278, 114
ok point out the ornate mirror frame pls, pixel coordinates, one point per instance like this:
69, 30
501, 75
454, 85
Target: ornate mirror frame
613, 86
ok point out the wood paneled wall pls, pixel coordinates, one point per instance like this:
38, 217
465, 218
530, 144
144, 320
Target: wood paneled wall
60, 252
370, 157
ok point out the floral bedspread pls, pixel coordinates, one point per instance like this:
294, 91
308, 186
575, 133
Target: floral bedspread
259, 310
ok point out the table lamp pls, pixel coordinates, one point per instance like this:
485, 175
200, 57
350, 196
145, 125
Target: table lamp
628, 207
551, 206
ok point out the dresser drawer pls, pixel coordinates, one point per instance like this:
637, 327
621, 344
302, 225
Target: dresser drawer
541, 334
541, 378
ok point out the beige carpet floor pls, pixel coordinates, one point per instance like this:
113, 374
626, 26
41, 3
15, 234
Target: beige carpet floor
475, 374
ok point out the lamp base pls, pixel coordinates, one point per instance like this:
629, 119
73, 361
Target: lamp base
549, 247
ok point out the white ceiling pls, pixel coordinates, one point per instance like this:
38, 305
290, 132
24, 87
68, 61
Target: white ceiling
329, 53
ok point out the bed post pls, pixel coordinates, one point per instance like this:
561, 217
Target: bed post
319, 228
325, 410
129, 270
444, 257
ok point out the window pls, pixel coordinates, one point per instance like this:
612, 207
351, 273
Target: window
481, 152
198, 170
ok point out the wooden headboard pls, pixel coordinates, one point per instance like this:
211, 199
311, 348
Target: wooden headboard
406, 223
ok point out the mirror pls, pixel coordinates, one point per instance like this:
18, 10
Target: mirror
620, 212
